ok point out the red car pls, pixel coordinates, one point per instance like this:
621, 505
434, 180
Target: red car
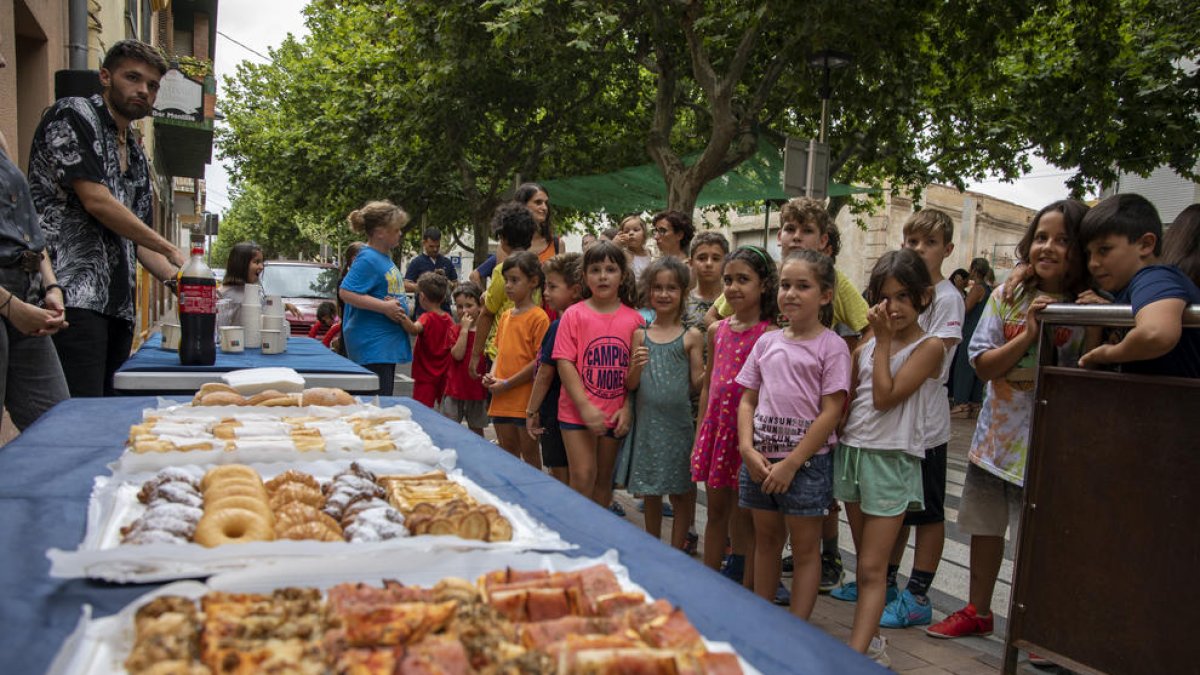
303, 284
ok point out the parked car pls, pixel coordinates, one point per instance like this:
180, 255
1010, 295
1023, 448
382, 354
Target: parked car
303, 284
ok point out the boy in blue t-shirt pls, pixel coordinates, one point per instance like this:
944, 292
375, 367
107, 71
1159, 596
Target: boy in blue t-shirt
564, 287
1123, 238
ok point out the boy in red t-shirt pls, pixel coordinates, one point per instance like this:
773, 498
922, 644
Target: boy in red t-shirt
431, 357
465, 395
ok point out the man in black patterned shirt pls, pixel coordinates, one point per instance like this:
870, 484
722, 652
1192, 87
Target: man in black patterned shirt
91, 184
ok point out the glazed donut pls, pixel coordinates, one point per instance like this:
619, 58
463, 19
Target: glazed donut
241, 502
295, 492
223, 490
227, 471
292, 476
232, 526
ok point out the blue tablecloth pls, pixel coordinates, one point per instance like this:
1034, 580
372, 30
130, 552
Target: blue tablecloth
304, 355
46, 477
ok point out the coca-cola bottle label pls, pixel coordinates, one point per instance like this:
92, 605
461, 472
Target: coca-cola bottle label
197, 298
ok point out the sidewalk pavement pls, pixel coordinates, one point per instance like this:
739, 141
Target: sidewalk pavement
911, 651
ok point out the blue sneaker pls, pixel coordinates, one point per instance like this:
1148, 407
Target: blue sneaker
783, 595
906, 611
849, 593
734, 568
617, 509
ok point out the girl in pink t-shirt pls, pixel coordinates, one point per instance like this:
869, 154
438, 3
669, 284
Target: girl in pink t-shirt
592, 351
796, 382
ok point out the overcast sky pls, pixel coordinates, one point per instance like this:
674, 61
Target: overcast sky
262, 24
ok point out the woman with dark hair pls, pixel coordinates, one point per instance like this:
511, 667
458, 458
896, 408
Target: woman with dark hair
673, 232
966, 389
545, 244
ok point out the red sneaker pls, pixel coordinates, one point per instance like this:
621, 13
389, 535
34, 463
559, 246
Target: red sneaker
963, 623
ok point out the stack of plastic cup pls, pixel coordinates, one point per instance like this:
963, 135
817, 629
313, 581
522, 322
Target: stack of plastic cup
273, 319
252, 317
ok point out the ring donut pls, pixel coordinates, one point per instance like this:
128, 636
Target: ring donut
242, 502
234, 489
227, 471
232, 526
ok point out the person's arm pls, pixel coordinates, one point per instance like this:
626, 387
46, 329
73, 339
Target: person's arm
995, 363
29, 319
854, 356
756, 464
517, 379
162, 269
459, 349
541, 386
54, 298
333, 332
592, 418
780, 474
98, 201
693, 343
640, 356
411, 327
391, 307
1156, 330
887, 392
706, 382
974, 296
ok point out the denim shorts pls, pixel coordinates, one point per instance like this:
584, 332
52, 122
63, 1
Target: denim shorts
810, 493
571, 426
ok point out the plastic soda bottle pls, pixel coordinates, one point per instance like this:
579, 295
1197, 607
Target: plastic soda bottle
197, 312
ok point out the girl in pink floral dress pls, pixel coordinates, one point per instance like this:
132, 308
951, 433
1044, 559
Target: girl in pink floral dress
750, 280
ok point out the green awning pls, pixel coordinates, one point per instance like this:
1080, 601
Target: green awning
642, 188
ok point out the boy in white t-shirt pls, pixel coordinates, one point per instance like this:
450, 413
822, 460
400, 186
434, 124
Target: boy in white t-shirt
930, 234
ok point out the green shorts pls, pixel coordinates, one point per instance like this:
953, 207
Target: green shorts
883, 482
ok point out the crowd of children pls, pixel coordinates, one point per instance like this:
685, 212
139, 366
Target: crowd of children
776, 385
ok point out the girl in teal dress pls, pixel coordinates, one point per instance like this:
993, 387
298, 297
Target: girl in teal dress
666, 366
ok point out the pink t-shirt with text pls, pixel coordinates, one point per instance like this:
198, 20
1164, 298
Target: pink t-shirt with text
791, 376
598, 345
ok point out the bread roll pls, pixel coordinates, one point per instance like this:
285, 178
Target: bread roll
222, 398
211, 388
327, 396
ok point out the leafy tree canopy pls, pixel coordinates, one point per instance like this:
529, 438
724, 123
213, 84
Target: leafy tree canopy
442, 106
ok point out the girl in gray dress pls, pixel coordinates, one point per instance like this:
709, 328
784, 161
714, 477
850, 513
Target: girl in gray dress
665, 367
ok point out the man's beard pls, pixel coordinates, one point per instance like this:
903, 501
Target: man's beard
127, 109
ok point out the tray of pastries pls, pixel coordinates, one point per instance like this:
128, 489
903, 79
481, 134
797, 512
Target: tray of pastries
473, 612
173, 434
193, 520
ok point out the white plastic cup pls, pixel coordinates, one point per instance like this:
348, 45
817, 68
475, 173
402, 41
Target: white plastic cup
171, 334
274, 342
272, 322
274, 306
233, 339
252, 324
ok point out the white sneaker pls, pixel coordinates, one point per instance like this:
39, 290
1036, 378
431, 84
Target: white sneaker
877, 651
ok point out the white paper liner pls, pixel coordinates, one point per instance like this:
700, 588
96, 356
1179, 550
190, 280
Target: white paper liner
101, 646
114, 504
186, 425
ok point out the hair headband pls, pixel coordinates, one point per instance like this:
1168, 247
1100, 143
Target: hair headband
762, 254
